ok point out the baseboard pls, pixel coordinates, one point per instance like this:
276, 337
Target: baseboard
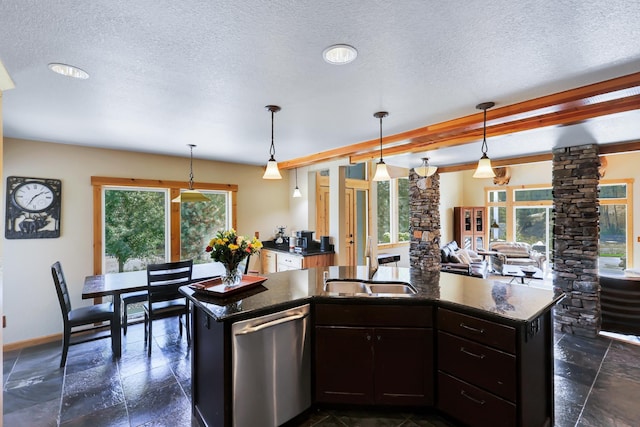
18, 345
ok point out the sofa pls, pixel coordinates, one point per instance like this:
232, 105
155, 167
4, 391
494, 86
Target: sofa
462, 261
515, 253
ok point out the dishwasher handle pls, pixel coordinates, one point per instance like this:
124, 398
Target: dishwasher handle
252, 329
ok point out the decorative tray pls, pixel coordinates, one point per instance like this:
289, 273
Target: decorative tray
215, 287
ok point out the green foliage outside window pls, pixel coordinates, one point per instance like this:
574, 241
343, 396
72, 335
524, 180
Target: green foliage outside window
404, 216
134, 226
384, 212
199, 223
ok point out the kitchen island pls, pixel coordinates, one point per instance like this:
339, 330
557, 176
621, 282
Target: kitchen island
477, 350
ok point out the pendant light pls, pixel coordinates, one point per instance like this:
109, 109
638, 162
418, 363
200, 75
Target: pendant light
484, 169
382, 174
190, 195
425, 169
296, 192
272, 171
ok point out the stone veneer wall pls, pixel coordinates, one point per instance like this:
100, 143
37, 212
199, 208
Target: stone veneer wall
575, 253
424, 226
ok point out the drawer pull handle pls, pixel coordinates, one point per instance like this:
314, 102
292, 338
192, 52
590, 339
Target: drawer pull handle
480, 331
471, 398
477, 356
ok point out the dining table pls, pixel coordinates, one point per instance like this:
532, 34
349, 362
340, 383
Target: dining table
116, 284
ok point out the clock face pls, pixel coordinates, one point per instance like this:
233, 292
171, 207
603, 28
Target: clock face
32, 208
33, 196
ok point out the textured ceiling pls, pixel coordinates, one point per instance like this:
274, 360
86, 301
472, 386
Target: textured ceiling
165, 74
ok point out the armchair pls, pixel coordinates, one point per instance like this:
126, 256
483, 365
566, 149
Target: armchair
515, 253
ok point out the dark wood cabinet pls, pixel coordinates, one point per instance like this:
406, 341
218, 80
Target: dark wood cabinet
494, 374
344, 365
469, 227
374, 354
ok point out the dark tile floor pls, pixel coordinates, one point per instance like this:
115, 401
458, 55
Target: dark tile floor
597, 383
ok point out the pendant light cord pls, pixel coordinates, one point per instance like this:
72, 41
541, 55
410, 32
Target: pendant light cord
272, 150
484, 134
484, 106
191, 168
380, 138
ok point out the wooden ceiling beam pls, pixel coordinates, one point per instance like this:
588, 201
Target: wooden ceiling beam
607, 149
576, 114
563, 101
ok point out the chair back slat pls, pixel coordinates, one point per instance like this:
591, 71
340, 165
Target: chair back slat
163, 280
61, 289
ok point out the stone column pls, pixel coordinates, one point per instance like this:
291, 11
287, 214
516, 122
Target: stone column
424, 226
575, 253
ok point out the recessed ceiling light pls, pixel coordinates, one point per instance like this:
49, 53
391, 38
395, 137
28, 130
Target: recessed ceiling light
339, 54
68, 70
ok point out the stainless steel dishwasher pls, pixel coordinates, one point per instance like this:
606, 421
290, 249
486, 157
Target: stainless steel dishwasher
271, 368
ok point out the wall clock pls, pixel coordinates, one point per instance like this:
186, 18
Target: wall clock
33, 208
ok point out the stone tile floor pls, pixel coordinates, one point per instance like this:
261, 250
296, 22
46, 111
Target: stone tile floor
597, 383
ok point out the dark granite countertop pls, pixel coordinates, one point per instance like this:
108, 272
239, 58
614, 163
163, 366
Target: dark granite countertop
269, 245
512, 302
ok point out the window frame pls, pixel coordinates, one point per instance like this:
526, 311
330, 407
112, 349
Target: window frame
394, 216
173, 187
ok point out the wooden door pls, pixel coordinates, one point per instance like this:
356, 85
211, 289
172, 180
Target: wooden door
322, 211
350, 238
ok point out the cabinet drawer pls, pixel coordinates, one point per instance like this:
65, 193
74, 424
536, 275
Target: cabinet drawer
290, 261
374, 315
480, 330
491, 369
473, 406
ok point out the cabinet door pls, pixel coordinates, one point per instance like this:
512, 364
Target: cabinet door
268, 261
344, 365
403, 366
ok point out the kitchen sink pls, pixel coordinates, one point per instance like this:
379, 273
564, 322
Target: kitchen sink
368, 288
392, 288
345, 287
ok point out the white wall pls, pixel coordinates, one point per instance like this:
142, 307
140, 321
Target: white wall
30, 301
451, 195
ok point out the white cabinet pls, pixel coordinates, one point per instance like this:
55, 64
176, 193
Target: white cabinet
288, 262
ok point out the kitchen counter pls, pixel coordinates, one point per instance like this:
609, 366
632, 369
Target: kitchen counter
513, 303
479, 351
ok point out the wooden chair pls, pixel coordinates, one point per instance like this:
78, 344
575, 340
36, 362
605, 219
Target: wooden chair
163, 297
128, 299
82, 316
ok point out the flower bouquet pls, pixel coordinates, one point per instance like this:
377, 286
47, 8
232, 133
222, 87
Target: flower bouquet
230, 249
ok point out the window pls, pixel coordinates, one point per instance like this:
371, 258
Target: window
134, 228
135, 222
615, 231
521, 215
524, 215
393, 211
199, 222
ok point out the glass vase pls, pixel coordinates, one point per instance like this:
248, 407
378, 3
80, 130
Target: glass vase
232, 275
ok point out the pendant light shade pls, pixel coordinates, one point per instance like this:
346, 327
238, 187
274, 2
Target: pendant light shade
190, 195
484, 169
272, 171
425, 169
296, 191
381, 174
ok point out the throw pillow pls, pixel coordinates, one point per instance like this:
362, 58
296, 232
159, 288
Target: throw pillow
464, 256
455, 259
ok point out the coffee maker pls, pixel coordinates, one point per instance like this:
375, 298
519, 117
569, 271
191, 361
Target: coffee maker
304, 241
